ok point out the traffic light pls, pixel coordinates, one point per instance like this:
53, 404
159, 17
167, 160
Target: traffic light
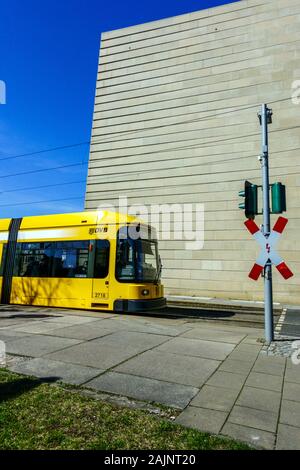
278, 198
250, 203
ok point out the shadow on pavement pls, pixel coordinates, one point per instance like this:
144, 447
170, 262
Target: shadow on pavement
15, 388
7, 309
33, 315
175, 312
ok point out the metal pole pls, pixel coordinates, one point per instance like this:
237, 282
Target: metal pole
265, 118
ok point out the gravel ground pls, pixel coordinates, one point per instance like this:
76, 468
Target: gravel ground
282, 346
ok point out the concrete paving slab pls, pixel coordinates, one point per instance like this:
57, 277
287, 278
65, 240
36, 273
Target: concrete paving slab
292, 373
24, 320
235, 366
252, 332
174, 322
197, 348
103, 356
288, 438
145, 326
108, 351
166, 329
265, 381
269, 365
291, 391
209, 325
250, 351
11, 335
290, 413
73, 320
9, 322
67, 312
170, 367
274, 360
290, 365
112, 323
5, 313
145, 389
86, 331
258, 419
135, 341
45, 368
12, 309
227, 380
244, 356
260, 399
249, 348
214, 335
203, 419
248, 331
251, 340
215, 398
37, 327
255, 437
27, 315
38, 345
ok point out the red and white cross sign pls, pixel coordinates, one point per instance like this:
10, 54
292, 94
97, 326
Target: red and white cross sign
268, 252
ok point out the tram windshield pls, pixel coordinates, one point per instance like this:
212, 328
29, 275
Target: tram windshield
137, 260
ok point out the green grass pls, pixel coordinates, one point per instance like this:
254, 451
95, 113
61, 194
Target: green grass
37, 415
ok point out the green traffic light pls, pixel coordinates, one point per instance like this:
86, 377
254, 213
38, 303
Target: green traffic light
278, 198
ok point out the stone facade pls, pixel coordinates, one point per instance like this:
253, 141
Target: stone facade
175, 121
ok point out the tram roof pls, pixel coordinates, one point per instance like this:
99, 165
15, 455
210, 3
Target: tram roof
100, 217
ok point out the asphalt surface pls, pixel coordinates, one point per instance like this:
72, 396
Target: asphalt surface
291, 324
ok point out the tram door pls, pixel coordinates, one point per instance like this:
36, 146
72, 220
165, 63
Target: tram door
100, 253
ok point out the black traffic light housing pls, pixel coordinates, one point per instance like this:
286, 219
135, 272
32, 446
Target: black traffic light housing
250, 204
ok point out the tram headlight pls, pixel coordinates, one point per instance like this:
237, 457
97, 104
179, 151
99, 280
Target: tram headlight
145, 292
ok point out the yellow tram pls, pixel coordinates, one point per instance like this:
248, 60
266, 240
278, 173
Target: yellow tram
96, 260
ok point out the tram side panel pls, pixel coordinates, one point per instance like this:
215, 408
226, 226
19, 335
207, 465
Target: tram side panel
57, 272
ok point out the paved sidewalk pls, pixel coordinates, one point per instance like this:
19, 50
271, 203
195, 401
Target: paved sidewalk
216, 375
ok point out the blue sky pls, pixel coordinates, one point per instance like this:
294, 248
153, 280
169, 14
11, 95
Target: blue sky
48, 60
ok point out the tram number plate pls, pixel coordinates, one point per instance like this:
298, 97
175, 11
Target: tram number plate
100, 295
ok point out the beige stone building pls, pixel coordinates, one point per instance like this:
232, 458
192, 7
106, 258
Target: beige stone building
175, 121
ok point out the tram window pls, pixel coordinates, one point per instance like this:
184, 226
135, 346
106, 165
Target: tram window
3, 259
34, 259
125, 266
52, 259
101, 259
70, 259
